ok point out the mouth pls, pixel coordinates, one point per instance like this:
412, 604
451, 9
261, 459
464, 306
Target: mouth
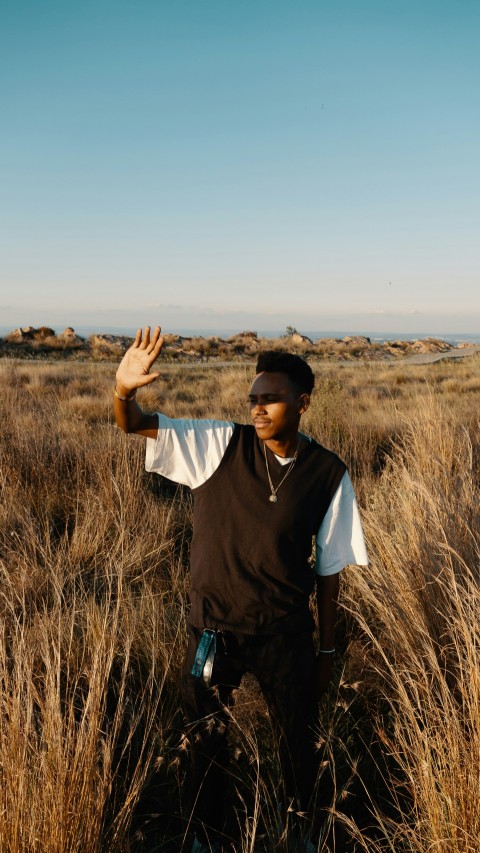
261, 422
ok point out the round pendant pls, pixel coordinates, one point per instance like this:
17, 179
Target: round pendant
273, 499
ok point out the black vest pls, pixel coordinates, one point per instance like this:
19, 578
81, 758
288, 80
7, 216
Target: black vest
250, 569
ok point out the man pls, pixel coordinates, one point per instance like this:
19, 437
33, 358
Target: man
262, 492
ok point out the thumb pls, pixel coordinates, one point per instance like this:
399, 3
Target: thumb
150, 377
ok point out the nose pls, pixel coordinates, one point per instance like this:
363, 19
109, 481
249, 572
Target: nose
259, 408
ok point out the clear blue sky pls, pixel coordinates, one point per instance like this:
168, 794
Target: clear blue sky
217, 163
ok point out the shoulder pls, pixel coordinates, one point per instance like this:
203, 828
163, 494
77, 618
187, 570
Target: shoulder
323, 456
187, 451
192, 425
247, 431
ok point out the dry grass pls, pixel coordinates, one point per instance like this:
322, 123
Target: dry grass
418, 610
93, 581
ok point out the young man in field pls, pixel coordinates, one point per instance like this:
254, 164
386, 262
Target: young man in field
262, 493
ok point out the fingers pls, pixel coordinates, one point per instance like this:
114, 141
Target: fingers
155, 341
146, 338
155, 352
145, 342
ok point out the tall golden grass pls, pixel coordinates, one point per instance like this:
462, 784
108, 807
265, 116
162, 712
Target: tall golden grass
93, 585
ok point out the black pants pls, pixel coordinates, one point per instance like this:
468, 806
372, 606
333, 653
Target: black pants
285, 669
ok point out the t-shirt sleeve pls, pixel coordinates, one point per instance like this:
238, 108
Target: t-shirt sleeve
187, 451
340, 541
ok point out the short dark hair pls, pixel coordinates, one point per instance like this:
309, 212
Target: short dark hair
294, 366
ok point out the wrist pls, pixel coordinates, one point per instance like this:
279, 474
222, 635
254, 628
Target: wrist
124, 394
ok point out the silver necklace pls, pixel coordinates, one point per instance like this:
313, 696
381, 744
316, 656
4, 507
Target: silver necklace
273, 497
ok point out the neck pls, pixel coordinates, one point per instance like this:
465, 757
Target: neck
283, 447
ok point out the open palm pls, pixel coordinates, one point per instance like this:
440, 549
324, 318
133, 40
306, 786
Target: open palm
134, 368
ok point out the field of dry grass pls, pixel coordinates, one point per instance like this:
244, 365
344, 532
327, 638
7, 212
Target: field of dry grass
93, 581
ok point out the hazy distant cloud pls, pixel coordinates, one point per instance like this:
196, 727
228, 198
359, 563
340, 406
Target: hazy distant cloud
198, 310
160, 306
410, 312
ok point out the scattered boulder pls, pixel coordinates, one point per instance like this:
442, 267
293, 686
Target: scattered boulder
357, 340
427, 345
22, 334
327, 342
43, 332
246, 343
393, 350
172, 340
297, 338
69, 336
109, 344
397, 344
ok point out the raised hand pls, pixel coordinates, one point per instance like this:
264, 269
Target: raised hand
134, 368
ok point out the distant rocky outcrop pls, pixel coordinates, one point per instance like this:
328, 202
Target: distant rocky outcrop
252, 335
109, 345
44, 342
30, 333
430, 345
246, 343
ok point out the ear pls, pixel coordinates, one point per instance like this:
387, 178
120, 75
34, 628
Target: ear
304, 401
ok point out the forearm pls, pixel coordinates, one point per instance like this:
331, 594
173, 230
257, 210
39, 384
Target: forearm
327, 589
129, 416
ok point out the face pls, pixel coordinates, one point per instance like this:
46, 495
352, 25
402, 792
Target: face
276, 406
